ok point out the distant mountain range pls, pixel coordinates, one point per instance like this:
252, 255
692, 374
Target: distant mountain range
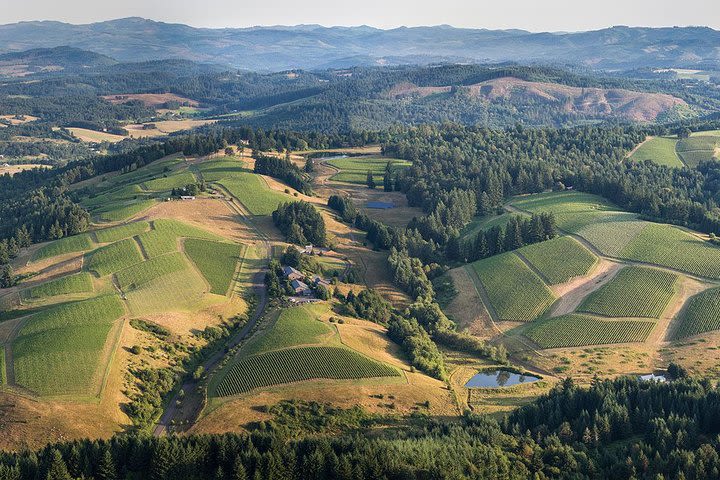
316, 47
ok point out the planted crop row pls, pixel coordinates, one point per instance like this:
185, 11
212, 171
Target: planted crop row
298, 364
139, 274
701, 315
559, 259
580, 330
114, 257
113, 234
78, 283
76, 243
295, 326
216, 261
634, 292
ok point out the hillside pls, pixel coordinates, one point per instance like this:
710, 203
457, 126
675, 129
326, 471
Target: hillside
52, 60
313, 46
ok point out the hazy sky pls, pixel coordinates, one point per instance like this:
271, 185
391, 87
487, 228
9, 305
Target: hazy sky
534, 15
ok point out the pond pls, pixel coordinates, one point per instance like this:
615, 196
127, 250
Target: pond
499, 378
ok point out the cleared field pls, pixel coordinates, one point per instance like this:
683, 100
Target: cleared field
59, 350
165, 127
78, 283
660, 150
701, 315
254, 194
355, 169
298, 364
295, 326
76, 243
672, 247
177, 180
179, 291
515, 291
114, 257
227, 167
216, 261
92, 136
634, 292
141, 273
559, 259
121, 232
580, 330
696, 149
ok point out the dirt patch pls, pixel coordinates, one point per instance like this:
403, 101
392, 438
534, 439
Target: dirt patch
51, 268
163, 127
467, 308
667, 323
371, 339
572, 293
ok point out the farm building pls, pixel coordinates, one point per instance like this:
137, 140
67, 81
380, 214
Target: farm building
300, 288
319, 281
292, 273
187, 197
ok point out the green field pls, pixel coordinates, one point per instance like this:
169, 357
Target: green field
165, 236
580, 330
179, 291
114, 257
217, 261
355, 169
660, 150
485, 223
252, 191
59, 350
76, 243
702, 314
298, 364
139, 274
118, 213
634, 292
515, 292
113, 234
560, 259
165, 183
77, 283
295, 326
216, 170
696, 149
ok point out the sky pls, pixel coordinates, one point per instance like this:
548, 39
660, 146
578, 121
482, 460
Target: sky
533, 15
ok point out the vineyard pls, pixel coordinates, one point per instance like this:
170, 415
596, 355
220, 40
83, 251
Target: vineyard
139, 274
696, 149
659, 150
179, 291
117, 213
560, 259
634, 292
158, 242
216, 170
114, 257
355, 169
121, 232
298, 364
76, 243
702, 314
78, 283
580, 330
515, 292
295, 326
216, 261
252, 191
177, 180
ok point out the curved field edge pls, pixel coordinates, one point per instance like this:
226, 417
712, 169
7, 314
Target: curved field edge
583, 330
701, 315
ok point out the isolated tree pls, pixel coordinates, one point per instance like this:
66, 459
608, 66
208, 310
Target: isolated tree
370, 180
309, 165
387, 178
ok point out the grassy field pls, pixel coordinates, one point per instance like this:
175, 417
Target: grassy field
515, 291
165, 183
121, 232
114, 257
580, 330
179, 291
252, 191
696, 149
141, 273
660, 150
216, 261
701, 315
76, 243
355, 169
634, 292
227, 167
298, 364
59, 350
485, 223
78, 283
118, 213
559, 259
295, 326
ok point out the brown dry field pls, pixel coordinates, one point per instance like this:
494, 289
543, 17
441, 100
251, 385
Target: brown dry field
467, 309
164, 127
150, 99
15, 121
13, 169
92, 136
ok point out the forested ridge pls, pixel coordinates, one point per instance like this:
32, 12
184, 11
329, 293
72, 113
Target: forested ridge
620, 429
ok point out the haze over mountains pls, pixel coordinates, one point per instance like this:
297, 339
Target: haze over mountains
314, 47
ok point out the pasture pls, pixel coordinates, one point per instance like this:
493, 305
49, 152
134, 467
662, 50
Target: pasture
217, 261
114, 257
71, 284
515, 291
560, 259
355, 169
634, 292
299, 364
581, 330
702, 314
74, 244
659, 150
93, 136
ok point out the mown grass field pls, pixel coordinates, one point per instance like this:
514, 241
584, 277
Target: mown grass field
114, 257
76, 243
634, 292
702, 314
515, 292
58, 351
121, 232
298, 364
560, 259
71, 284
660, 150
355, 169
581, 330
141, 273
217, 261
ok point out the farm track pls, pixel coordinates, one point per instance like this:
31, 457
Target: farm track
195, 392
569, 301
532, 267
